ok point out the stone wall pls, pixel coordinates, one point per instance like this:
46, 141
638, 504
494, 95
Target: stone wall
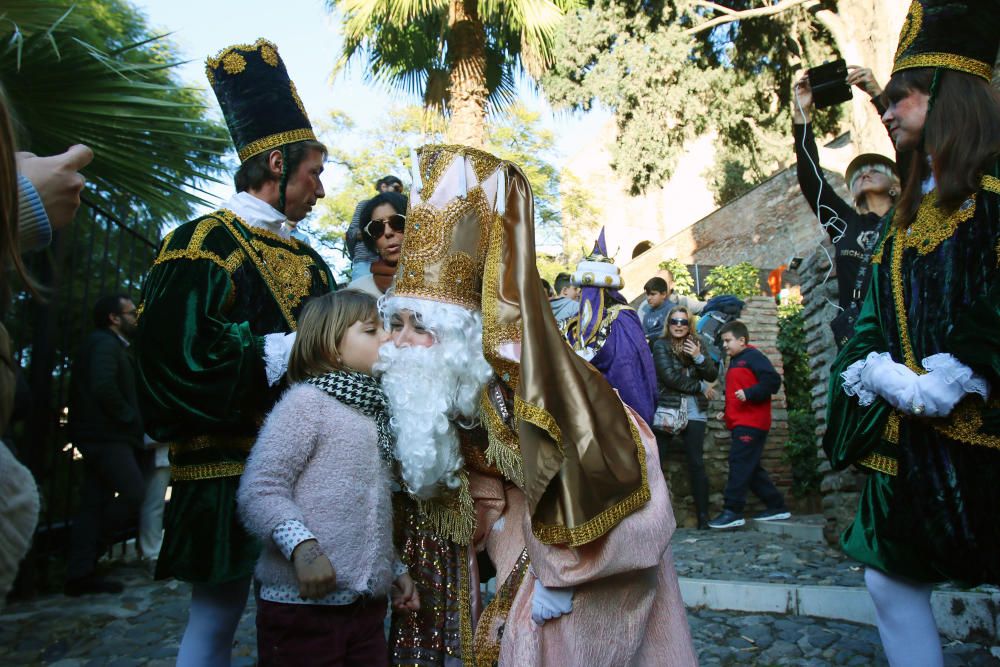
761, 318
840, 489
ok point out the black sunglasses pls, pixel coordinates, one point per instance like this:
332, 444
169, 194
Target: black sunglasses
678, 322
376, 228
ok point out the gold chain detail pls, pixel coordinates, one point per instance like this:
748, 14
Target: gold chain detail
206, 471
488, 637
275, 141
880, 463
948, 61
598, 526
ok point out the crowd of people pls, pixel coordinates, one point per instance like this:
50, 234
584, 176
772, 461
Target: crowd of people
448, 418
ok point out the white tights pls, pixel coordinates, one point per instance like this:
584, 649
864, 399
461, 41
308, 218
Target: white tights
215, 612
905, 621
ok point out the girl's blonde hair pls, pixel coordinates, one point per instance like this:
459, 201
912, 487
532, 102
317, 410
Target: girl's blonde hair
322, 325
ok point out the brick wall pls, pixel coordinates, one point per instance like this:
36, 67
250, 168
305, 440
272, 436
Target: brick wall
761, 318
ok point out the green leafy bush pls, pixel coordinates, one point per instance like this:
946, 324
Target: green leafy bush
741, 280
800, 449
683, 282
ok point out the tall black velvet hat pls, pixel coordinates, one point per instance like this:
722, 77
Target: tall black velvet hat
962, 35
258, 99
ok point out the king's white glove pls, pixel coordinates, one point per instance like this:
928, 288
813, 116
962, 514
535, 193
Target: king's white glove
894, 382
549, 603
277, 350
949, 380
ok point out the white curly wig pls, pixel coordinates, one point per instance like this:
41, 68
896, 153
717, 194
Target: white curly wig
431, 389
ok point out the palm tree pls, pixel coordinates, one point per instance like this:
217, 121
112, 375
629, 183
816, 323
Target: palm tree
460, 56
91, 72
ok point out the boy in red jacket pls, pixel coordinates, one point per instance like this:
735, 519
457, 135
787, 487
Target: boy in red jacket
750, 382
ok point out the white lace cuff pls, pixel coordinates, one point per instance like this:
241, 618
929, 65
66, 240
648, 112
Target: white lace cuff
277, 349
950, 371
854, 385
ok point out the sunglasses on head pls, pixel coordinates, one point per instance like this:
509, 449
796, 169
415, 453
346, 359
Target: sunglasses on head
376, 228
679, 322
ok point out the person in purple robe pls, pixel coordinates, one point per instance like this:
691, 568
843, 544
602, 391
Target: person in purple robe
607, 332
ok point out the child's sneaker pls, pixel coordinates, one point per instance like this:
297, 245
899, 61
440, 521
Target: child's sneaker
728, 519
773, 515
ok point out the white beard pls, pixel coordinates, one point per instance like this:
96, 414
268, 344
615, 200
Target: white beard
430, 389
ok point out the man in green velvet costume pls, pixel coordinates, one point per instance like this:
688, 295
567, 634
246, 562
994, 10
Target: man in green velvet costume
913, 395
216, 322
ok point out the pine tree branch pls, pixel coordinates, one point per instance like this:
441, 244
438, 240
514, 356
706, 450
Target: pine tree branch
731, 15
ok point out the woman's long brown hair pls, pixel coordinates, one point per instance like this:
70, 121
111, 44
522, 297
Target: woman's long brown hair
10, 255
961, 133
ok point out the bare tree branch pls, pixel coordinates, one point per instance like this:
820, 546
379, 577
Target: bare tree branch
731, 15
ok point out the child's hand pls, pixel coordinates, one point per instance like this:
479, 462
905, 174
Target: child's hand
404, 594
313, 570
740, 394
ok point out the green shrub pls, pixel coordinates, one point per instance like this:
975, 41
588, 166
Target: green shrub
683, 282
741, 280
800, 449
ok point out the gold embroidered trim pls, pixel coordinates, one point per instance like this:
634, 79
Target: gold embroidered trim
606, 520
275, 141
285, 303
298, 100
234, 63
911, 28
540, 417
502, 450
434, 267
465, 615
880, 463
891, 431
221, 58
212, 442
194, 249
269, 55
966, 422
206, 471
991, 184
948, 61
929, 230
495, 333
488, 638
451, 514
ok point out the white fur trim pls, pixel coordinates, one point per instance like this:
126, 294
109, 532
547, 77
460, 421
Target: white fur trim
277, 350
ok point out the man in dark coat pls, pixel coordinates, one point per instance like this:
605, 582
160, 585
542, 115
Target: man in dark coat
106, 427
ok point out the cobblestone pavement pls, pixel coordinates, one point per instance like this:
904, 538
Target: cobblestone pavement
143, 627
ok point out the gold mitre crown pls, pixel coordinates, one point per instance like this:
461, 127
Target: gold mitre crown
451, 205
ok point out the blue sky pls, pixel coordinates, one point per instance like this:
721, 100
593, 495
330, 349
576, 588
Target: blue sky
309, 40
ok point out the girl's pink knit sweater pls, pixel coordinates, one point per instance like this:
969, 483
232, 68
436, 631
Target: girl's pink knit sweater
317, 460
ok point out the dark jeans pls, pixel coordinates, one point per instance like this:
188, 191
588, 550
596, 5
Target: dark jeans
312, 635
746, 472
693, 437
108, 469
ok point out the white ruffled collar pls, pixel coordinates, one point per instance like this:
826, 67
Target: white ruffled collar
258, 213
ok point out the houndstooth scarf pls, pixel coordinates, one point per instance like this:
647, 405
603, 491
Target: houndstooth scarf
364, 393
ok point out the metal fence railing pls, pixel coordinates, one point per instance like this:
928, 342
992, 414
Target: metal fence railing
95, 255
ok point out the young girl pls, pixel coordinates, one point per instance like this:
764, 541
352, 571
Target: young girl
316, 492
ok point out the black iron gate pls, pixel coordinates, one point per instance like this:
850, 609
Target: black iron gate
95, 255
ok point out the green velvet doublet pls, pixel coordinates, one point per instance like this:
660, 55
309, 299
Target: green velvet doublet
216, 288
928, 509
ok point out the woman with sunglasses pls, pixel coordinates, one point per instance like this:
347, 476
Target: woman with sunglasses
382, 224
854, 230
685, 371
